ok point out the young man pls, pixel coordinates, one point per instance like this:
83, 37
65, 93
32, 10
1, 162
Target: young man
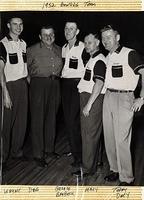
73, 70
123, 68
44, 65
13, 70
91, 100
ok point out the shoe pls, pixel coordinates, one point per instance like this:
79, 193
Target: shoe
40, 162
78, 173
113, 176
125, 184
68, 154
52, 155
76, 164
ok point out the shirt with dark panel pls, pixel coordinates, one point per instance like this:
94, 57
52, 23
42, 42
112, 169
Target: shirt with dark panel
3, 53
123, 67
135, 61
99, 69
43, 61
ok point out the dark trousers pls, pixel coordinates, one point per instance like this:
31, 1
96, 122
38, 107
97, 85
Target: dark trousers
71, 109
15, 119
44, 104
91, 129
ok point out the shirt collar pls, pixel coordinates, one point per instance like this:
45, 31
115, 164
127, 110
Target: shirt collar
10, 38
75, 44
118, 49
43, 45
95, 54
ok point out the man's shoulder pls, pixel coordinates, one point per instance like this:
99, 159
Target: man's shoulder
4, 39
34, 47
57, 47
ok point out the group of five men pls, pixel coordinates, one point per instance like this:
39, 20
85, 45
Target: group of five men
87, 78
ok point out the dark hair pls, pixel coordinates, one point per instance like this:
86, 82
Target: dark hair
72, 21
47, 27
9, 20
95, 34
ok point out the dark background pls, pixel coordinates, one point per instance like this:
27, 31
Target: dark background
129, 24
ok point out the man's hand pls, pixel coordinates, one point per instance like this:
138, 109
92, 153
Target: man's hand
7, 99
86, 110
137, 104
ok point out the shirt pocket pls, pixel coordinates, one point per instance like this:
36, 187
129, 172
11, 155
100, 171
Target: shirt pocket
24, 57
87, 75
13, 58
117, 71
73, 63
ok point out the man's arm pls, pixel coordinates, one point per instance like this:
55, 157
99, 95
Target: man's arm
95, 93
139, 101
137, 64
6, 97
99, 76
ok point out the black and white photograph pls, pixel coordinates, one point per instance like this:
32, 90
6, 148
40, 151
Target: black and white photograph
71, 98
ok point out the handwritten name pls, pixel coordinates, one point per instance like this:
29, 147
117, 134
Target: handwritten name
91, 189
64, 188
33, 189
63, 191
12, 191
121, 192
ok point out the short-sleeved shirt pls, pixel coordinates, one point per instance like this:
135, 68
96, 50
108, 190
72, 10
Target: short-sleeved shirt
13, 54
122, 69
3, 53
73, 61
95, 69
43, 61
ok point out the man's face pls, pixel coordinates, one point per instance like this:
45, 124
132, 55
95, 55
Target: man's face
110, 40
47, 36
70, 31
91, 43
15, 26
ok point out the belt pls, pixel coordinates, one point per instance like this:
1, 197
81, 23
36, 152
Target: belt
54, 77
119, 91
71, 79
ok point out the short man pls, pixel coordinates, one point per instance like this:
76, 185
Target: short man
44, 65
123, 67
91, 101
13, 69
73, 70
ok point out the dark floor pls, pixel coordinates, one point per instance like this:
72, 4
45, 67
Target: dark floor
59, 170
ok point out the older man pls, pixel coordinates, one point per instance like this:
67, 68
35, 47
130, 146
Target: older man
123, 68
91, 100
13, 71
44, 65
